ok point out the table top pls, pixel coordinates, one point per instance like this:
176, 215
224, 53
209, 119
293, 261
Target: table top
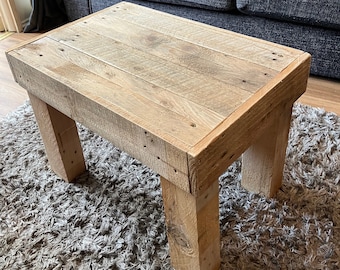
180, 80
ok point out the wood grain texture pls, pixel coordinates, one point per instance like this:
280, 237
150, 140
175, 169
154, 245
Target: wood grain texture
263, 161
215, 39
184, 83
323, 93
172, 78
61, 140
184, 98
98, 115
210, 157
133, 79
192, 227
169, 48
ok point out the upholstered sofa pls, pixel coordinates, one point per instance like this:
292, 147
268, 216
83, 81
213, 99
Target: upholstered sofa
309, 25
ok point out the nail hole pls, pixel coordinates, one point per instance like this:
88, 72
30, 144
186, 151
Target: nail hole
193, 124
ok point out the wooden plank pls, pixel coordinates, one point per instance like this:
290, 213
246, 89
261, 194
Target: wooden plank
193, 86
198, 114
210, 157
240, 46
15, 16
192, 227
7, 16
61, 140
262, 163
2, 24
186, 54
321, 92
132, 93
121, 100
163, 157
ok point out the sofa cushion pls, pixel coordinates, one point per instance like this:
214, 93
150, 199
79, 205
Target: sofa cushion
77, 9
207, 4
323, 13
318, 41
224, 5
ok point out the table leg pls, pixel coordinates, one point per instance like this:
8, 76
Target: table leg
193, 227
263, 162
61, 140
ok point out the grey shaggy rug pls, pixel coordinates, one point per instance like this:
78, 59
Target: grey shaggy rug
112, 218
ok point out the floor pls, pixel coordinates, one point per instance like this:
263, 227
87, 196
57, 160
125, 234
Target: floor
11, 94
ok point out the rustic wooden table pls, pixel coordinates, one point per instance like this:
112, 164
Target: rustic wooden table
185, 98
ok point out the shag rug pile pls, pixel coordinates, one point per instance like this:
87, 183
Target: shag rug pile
112, 218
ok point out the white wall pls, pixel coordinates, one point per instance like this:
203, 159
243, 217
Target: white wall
2, 27
24, 9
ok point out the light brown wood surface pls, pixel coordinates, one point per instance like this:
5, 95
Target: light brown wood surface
193, 227
244, 126
184, 98
160, 83
321, 92
60, 136
268, 153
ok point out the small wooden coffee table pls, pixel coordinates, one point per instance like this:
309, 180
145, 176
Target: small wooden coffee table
185, 98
